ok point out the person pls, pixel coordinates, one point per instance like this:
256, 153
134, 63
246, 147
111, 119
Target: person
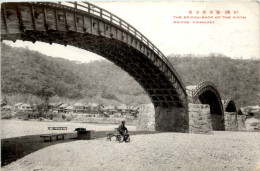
123, 131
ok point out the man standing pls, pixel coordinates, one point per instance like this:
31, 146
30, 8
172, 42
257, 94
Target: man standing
123, 131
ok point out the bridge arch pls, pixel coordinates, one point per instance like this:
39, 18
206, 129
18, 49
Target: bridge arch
229, 105
207, 93
230, 113
89, 27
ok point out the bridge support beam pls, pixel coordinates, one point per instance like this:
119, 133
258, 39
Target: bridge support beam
171, 119
231, 121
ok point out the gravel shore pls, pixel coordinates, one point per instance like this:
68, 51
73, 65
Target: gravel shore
164, 151
18, 128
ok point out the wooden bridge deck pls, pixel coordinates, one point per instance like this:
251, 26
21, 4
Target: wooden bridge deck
89, 27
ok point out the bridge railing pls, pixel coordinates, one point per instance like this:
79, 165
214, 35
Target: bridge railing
201, 84
104, 14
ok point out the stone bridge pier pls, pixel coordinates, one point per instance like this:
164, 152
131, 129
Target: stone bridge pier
230, 115
231, 123
171, 119
164, 119
200, 119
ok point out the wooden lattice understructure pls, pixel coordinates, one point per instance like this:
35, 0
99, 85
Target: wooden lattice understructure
89, 27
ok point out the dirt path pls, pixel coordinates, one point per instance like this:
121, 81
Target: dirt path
165, 151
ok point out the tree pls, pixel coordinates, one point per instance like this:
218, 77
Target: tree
46, 93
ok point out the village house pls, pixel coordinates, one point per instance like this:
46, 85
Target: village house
80, 108
17, 106
54, 106
122, 108
133, 112
251, 111
26, 107
61, 108
7, 108
93, 108
127, 111
68, 109
110, 110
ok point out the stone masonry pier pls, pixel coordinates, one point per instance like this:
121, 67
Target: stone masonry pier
171, 119
175, 119
199, 119
231, 121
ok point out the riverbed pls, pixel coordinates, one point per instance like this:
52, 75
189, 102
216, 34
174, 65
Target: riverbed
16, 128
236, 151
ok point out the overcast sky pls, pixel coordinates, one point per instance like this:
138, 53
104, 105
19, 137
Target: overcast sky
236, 38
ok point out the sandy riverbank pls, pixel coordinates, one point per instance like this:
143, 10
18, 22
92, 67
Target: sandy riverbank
165, 151
16, 128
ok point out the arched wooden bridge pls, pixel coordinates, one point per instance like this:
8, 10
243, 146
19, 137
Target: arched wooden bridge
89, 27
207, 93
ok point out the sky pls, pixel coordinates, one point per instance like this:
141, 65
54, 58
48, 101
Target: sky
236, 38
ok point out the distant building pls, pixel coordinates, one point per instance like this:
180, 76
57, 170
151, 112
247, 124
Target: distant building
80, 108
128, 111
26, 107
133, 113
17, 106
54, 106
61, 108
110, 110
122, 108
7, 108
93, 108
251, 111
68, 109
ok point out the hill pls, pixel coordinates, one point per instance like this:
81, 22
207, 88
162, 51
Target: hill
26, 74
31, 75
235, 78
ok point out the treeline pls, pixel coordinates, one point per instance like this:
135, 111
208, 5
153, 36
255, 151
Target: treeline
29, 72
26, 72
235, 78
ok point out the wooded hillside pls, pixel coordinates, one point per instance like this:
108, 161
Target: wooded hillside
26, 72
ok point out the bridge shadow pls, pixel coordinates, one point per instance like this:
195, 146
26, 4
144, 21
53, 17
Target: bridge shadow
15, 148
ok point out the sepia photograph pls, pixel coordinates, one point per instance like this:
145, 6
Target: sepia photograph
130, 85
